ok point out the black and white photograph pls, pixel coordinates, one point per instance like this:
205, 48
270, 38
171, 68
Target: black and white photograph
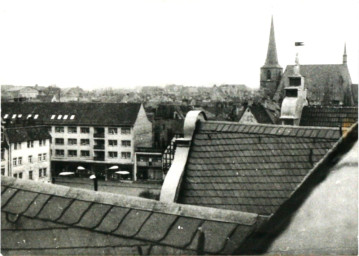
179, 127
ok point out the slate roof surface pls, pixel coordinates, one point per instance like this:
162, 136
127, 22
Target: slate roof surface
101, 114
250, 168
51, 219
321, 80
22, 134
329, 116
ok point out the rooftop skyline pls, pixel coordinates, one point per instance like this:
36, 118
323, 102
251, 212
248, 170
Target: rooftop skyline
124, 44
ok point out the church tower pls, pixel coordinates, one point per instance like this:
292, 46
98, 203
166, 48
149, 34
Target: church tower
271, 72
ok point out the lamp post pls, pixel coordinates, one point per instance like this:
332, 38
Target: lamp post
94, 177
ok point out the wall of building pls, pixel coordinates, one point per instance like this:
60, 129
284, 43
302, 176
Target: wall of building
35, 165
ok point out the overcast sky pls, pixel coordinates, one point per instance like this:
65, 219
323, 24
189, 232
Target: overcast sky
96, 43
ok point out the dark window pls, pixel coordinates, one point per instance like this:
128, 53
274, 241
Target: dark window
59, 129
30, 144
112, 154
126, 143
30, 175
72, 153
112, 142
269, 75
72, 129
59, 141
40, 173
20, 175
59, 152
85, 153
2, 154
126, 155
291, 93
72, 141
85, 141
294, 81
85, 130
30, 159
19, 161
112, 130
44, 172
2, 171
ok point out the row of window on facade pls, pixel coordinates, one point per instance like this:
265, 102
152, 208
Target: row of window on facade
30, 144
86, 153
83, 142
42, 173
18, 160
73, 129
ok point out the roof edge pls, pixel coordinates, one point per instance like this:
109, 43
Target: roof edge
200, 212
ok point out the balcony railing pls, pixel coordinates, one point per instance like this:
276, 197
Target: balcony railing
99, 135
99, 146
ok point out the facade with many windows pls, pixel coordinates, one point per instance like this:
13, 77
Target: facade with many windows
95, 136
25, 153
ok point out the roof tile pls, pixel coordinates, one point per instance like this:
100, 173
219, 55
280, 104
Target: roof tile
132, 223
112, 220
74, 212
54, 208
94, 215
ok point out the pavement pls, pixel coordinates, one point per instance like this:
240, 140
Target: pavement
117, 187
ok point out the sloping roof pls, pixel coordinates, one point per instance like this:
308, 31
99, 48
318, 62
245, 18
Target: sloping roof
250, 168
355, 93
329, 116
166, 111
321, 216
261, 114
332, 81
102, 114
21, 134
50, 219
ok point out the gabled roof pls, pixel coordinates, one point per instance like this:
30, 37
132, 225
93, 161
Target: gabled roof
48, 219
250, 168
261, 114
101, 114
332, 81
22, 134
329, 116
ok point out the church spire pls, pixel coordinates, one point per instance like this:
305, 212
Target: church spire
345, 54
272, 59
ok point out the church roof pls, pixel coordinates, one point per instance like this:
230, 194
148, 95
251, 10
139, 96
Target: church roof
329, 116
250, 168
38, 218
324, 82
272, 59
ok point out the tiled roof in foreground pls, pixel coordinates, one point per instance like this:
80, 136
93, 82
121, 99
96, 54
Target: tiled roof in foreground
329, 116
250, 168
50, 219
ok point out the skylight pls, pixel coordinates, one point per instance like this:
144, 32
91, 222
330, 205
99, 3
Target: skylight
28, 116
6, 116
53, 116
66, 116
72, 117
19, 115
36, 116
13, 116
59, 116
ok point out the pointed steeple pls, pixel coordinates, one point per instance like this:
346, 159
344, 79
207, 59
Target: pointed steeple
272, 59
345, 54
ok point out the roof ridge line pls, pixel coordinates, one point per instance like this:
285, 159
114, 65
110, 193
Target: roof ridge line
199, 212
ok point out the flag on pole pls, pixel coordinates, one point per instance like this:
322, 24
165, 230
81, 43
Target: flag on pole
299, 44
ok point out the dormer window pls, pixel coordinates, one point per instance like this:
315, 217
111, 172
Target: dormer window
72, 117
13, 116
59, 116
269, 75
294, 81
6, 116
28, 116
19, 115
66, 116
53, 116
36, 116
